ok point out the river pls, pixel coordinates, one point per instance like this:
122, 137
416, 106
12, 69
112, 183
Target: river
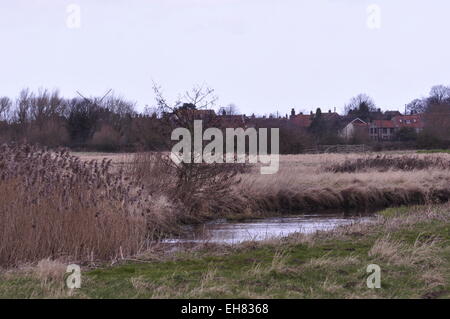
229, 232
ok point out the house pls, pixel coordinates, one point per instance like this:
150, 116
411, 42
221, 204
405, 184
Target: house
330, 116
203, 114
302, 120
353, 128
414, 121
232, 121
382, 130
380, 127
385, 130
389, 115
191, 113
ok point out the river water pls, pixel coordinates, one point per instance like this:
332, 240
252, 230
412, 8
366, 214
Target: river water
223, 231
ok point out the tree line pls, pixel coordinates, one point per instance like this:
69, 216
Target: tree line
112, 123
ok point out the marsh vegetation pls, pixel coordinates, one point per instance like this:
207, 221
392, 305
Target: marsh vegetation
59, 207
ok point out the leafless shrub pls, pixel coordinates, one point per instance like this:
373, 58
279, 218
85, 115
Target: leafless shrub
198, 190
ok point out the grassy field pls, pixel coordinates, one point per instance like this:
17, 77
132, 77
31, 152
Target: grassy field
411, 245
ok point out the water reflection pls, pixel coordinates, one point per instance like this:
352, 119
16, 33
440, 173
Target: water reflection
223, 231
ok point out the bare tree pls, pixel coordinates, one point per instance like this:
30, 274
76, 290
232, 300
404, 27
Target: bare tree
439, 94
417, 106
5, 108
361, 106
194, 104
45, 106
23, 105
119, 106
361, 100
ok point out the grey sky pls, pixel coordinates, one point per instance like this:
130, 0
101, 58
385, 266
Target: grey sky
261, 55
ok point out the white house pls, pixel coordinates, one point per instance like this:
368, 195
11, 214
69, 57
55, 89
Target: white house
352, 127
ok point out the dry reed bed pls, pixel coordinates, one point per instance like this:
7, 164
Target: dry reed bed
387, 162
308, 182
53, 205
305, 183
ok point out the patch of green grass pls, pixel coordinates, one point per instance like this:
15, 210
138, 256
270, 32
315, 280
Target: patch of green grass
326, 266
433, 151
397, 211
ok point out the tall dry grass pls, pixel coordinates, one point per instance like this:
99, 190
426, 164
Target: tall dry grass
305, 183
53, 205
384, 163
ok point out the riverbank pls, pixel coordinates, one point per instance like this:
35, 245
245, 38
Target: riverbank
411, 245
307, 183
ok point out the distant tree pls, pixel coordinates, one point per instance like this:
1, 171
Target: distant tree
23, 105
317, 126
230, 109
417, 106
44, 107
439, 94
361, 106
117, 118
82, 120
437, 121
119, 106
5, 107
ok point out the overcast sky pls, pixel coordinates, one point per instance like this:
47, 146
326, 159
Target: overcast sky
261, 55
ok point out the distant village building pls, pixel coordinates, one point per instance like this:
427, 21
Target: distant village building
353, 128
385, 130
381, 130
302, 120
380, 127
414, 121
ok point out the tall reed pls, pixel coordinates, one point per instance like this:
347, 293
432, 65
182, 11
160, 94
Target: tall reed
52, 205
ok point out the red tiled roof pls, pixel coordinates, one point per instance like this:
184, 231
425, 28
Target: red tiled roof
414, 121
360, 124
383, 124
302, 120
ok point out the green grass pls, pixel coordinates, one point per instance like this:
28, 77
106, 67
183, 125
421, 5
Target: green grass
401, 210
433, 151
411, 245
